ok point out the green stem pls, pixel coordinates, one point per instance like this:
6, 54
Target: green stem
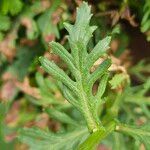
90, 117
113, 111
92, 122
131, 130
95, 138
145, 101
115, 107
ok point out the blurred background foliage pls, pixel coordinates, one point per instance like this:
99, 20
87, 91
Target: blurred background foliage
30, 97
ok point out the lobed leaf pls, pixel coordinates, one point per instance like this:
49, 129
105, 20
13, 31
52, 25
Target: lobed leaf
102, 68
70, 97
98, 51
102, 86
118, 80
58, 73
64, 55
79, 92
81, 31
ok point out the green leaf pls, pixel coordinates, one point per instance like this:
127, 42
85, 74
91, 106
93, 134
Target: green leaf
81, 31
37, 139
102, 85
40, 81
64, 55
58, 73
118, 80
102, 68
70, 97
141, 133
77, 88
98, 51
44, 89
60, 116
48, 89
14, 7
5, 23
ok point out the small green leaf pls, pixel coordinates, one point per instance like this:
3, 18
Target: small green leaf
98, 51
102, 68
118, 80
102, 86
78, 89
